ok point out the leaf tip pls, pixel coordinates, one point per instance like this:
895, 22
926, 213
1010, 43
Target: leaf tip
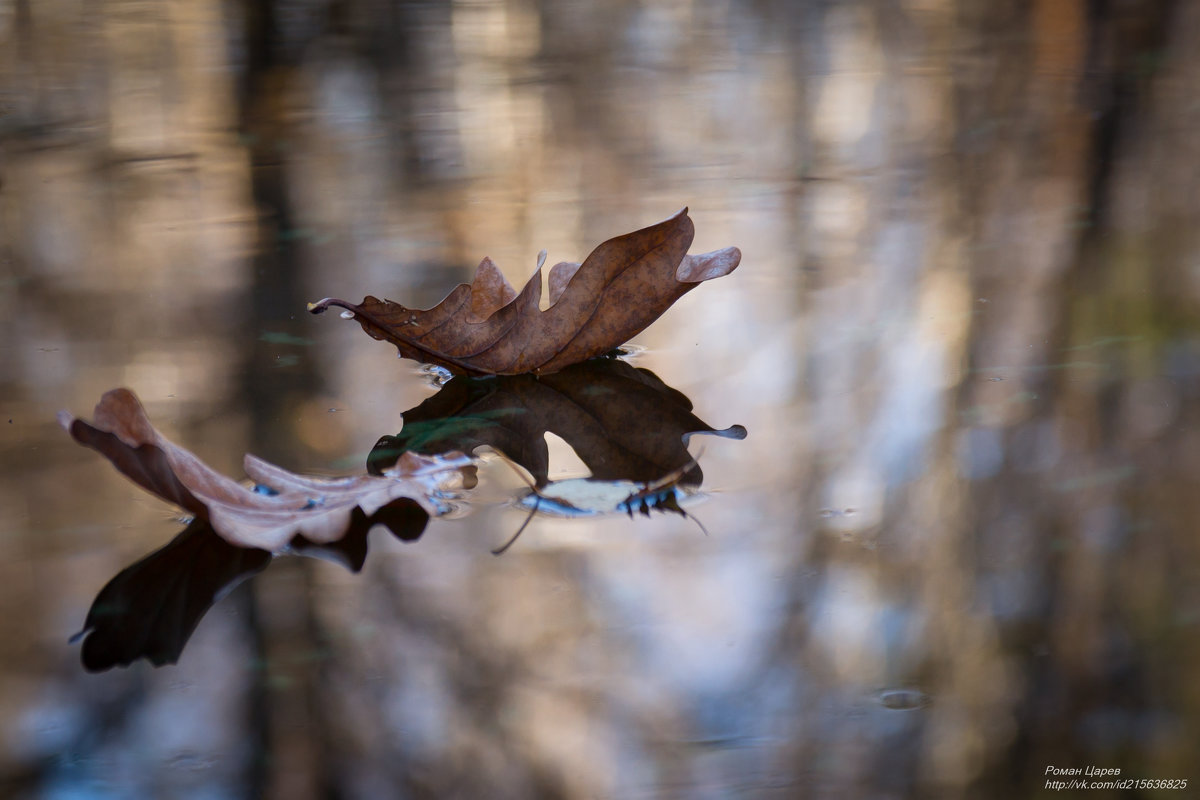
65, 419
706, 266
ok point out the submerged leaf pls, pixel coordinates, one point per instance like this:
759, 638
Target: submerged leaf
318, 509
487, 328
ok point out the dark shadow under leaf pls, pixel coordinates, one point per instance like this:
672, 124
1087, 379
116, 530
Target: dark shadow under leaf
151, 608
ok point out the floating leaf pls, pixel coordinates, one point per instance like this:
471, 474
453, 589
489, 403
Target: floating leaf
487, 328
318, 509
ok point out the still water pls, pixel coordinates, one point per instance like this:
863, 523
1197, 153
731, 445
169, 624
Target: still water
954, 552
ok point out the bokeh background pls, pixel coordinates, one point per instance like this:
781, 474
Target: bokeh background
958, 546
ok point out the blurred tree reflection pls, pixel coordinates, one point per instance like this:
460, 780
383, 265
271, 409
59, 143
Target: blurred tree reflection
967, 325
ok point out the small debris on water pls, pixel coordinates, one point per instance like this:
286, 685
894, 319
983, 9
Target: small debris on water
902, 699
826, 513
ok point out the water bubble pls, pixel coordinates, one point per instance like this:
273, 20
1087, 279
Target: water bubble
902, 699
347, 314
627, 352
438, 376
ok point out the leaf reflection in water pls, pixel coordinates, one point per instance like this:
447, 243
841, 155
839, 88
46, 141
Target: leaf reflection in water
629, 429
623, 422
151, 608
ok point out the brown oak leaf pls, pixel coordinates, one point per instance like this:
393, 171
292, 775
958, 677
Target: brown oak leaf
284, 506
487, 328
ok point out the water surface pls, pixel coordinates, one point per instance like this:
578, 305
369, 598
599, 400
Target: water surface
956, 548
